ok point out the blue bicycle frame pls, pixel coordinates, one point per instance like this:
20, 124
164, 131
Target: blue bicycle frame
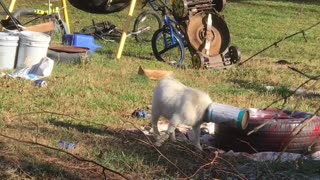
172, 37
168, 22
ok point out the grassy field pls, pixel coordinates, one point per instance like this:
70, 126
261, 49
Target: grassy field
90, 104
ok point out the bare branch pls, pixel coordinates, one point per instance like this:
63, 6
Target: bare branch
277, 42
203, 166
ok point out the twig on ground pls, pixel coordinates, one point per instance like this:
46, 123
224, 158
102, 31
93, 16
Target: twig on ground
150, 143
248, 144
236, 172
203, 166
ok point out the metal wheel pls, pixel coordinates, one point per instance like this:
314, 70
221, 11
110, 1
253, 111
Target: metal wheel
235, 54
145, 25
28, 17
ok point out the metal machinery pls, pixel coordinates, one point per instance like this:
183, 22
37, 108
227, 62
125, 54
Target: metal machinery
207, 33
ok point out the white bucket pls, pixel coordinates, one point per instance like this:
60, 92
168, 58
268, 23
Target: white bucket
8, 50
33, 46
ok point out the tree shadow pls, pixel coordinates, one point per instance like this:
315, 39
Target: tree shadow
31, 167
137, 143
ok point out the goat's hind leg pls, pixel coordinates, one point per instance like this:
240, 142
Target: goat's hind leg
174, 122
156, 133
196, 140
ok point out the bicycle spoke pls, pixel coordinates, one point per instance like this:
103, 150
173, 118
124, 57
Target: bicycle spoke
168, 49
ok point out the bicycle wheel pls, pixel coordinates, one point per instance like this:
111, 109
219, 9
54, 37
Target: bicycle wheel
28, 17
167, 49
60, 28
145, 25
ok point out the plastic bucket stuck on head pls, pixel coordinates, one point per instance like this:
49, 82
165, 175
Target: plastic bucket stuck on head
8, 50
33, 46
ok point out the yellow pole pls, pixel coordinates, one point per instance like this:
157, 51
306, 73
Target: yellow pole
125, 28
11, 6
65, 14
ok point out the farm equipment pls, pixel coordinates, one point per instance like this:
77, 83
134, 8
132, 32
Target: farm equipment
207, 33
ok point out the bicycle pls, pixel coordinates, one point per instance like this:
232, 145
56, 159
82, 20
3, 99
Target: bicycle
168, 37
198, 26
29, 16
144, 26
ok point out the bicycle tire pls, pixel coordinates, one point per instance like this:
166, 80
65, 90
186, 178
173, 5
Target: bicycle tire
161, 54
142, 24
33, 18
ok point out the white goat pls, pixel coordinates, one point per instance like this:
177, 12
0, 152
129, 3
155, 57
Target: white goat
180, 105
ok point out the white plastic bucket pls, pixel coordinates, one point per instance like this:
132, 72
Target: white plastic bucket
8, 50
33, 46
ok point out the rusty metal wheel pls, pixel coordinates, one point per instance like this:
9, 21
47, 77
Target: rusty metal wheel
197, 33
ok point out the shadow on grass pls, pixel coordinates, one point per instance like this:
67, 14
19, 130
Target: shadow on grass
122, 150
30, 167
134, 142
155, 166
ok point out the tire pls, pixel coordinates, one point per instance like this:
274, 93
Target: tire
275, 136
174, 53
100, 6
68, 58
145, 20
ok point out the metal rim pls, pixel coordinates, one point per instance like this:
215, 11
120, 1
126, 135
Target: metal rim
220, 32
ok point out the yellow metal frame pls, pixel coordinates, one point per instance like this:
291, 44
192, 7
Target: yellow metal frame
11, 6
125, 28
65, 13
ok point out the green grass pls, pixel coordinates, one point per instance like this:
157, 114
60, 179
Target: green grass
90, 104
